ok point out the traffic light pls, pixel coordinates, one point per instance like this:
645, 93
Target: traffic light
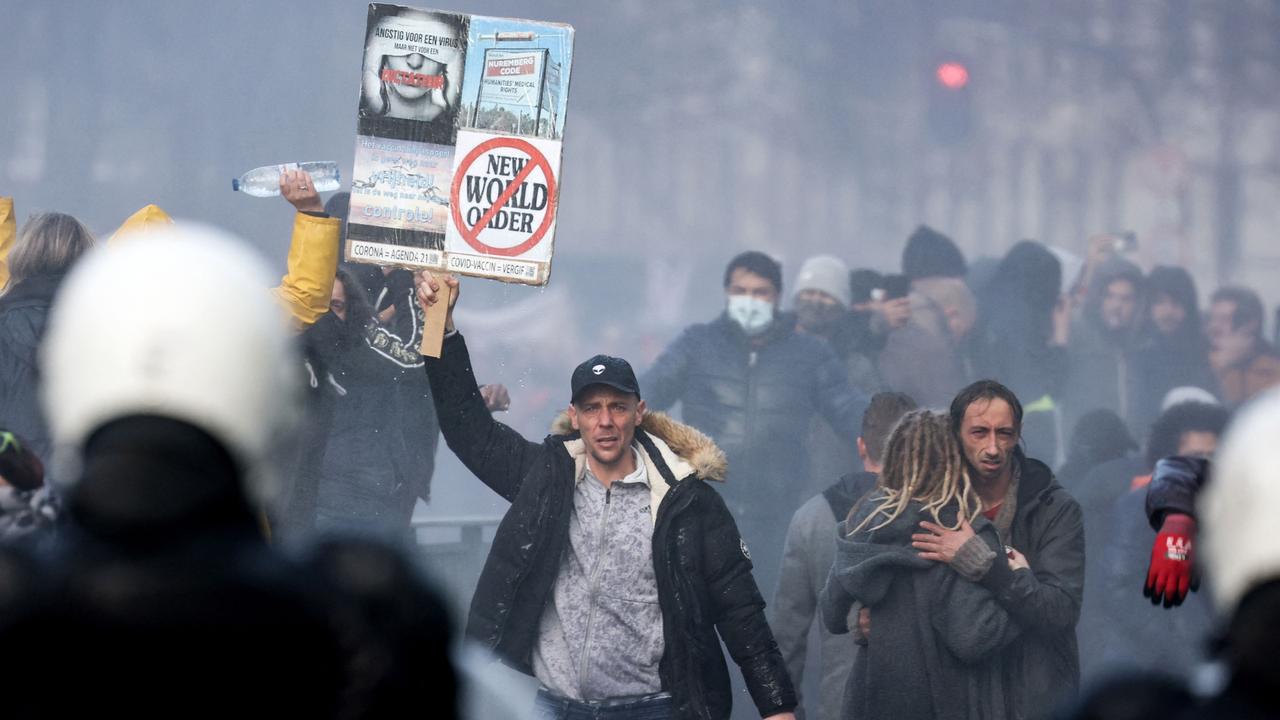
952, 75
950, 103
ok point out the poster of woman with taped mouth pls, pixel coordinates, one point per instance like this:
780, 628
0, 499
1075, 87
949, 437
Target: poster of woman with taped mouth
412, 78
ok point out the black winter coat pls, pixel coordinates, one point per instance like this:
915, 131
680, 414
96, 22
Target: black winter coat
23, 312
756, 402
703, 576
375, 455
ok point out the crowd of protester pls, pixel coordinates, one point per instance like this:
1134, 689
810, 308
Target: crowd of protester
957, 457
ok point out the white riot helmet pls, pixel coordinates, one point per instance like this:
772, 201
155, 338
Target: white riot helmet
1237, 507
179, 323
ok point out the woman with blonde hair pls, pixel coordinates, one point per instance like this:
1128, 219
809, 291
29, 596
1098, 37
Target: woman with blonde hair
932, 652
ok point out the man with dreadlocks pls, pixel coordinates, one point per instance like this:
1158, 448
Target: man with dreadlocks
931, 623
1041, 585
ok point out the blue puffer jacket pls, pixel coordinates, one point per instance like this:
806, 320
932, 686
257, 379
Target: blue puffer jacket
756, 400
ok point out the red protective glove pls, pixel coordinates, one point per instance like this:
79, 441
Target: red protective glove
1172, 570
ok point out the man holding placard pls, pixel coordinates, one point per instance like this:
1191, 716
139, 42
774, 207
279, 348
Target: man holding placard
618, 570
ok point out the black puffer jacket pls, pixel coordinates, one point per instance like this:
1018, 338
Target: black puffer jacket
704, 578
378, 450
756, 401
23, 311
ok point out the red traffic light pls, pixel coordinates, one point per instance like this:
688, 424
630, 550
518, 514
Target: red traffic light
952, 75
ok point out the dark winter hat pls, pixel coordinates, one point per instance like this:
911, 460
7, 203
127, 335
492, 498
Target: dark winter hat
19, 466
604, 370
929, 253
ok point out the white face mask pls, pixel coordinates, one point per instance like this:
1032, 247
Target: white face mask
752, 313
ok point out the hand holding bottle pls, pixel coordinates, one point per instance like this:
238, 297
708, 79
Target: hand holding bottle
297, 187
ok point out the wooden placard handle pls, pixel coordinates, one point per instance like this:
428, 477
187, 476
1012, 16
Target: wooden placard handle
433, 321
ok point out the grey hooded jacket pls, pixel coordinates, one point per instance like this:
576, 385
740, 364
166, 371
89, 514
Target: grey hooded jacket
806, 562
936, 639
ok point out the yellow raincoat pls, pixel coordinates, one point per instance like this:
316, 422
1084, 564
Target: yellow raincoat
8, 230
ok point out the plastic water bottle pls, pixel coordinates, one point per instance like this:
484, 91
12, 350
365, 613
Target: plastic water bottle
265, 181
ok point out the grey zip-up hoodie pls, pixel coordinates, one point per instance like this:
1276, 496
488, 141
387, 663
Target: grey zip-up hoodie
933, 650
600, 636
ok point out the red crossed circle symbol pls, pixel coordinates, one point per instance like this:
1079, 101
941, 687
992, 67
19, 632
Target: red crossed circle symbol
536, 160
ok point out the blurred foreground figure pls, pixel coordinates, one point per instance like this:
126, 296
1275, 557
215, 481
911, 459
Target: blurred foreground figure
28, 509
618, 570
161, 597
34, 262
1241, 554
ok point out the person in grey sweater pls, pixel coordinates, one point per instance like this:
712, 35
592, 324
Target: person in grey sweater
807, 559
935, 649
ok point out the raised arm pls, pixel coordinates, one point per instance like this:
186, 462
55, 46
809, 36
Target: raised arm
306, 288
495, 453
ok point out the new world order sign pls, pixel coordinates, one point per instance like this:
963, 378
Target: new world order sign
457, 162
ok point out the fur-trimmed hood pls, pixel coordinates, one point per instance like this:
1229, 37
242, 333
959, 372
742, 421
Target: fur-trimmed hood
685, 442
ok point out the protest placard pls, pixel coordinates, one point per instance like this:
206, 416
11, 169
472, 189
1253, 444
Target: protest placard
459, 129
457, 163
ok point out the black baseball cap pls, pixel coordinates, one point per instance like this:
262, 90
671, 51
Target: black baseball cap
604, 370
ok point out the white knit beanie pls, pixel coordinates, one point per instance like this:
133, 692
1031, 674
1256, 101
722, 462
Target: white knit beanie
828, 274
